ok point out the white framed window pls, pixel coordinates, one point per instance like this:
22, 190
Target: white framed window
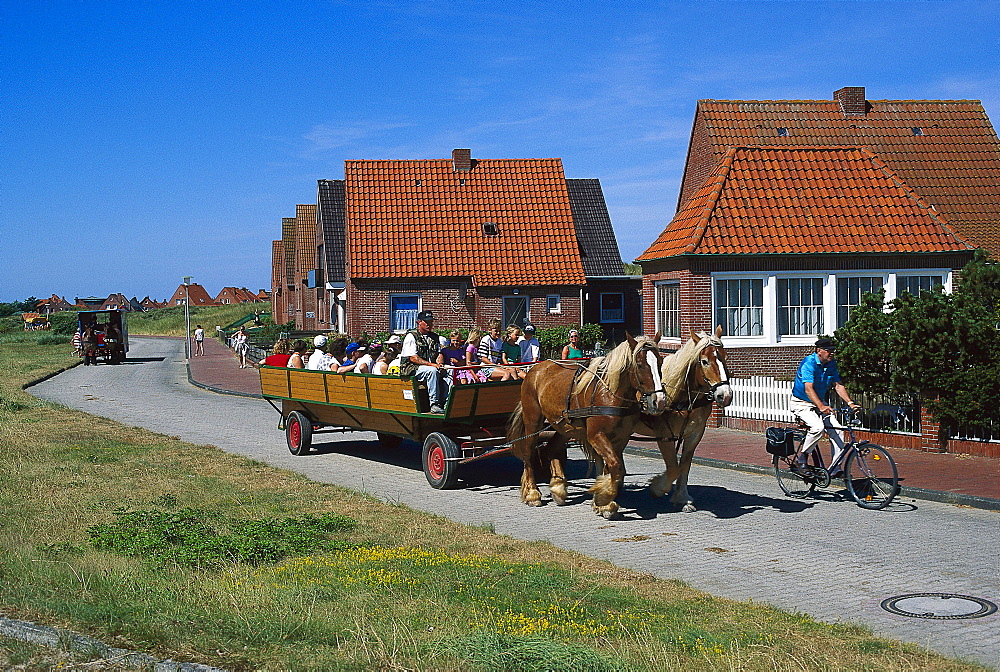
668, 309
553, 304
612, 307
849, 293
739, 306
800, 306
914, 284
403, 309
793, 308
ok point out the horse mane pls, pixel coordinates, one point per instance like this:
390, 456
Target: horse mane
675, 367
609, 368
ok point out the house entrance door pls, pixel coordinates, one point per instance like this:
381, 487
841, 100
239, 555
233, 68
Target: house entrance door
515, 311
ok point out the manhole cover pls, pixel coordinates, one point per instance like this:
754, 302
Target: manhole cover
942, 606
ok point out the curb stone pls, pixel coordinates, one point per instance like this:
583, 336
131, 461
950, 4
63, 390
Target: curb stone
56, 638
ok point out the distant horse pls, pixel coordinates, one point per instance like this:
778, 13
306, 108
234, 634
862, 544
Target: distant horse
598, 405
693, 377
88, 343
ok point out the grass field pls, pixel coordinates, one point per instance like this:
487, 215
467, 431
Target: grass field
151, 544
170, 321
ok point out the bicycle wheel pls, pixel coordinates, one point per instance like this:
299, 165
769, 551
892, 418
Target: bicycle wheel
792, 484
871, 476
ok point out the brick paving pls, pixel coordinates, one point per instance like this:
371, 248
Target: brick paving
822, 556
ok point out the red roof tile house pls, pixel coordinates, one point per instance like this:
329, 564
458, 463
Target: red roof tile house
779, 243
469, 239
946, 150
229, 295
195, 293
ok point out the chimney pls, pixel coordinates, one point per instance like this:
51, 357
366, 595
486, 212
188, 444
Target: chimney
461, 159
852, 100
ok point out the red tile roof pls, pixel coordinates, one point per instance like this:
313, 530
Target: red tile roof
417, 219
945, 149
779, 200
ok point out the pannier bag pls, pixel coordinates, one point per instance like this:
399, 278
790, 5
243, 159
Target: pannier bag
781, 441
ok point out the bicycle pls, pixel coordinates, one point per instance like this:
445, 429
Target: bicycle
869, 472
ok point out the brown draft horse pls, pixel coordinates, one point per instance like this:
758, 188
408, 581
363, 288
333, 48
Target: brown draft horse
599, 406
694, 377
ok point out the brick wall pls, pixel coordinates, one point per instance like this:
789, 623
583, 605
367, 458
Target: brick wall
701, 161
368, 304
305, 261
695, 300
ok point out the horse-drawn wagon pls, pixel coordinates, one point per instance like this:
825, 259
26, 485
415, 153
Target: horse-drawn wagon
472, 427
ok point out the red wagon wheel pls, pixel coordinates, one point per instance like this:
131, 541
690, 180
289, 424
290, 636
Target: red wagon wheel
439, 460
298, 433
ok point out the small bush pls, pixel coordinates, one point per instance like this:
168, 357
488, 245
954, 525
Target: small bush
197, 538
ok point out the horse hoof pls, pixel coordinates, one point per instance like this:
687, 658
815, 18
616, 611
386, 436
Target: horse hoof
608, 511
534, 502
689, 508
558, 501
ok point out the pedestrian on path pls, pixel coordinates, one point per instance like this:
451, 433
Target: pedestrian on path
199, 341
241, 346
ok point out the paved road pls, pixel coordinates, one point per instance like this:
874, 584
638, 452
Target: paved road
825, 557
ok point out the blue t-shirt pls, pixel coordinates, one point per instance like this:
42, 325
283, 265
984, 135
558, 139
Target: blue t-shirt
811, 370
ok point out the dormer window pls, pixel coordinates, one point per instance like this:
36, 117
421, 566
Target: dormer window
782, 132
490, 229
418, 183
917, 131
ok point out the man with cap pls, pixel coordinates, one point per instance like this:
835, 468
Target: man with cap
319, 360
816, 376
419, 360
531, 349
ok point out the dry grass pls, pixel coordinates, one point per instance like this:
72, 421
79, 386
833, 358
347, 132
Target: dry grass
420, 593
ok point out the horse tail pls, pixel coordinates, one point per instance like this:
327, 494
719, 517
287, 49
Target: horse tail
515, 425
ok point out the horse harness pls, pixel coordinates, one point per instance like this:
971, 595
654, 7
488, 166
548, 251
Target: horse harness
631, 407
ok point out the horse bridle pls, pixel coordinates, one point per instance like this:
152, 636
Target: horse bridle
644, 396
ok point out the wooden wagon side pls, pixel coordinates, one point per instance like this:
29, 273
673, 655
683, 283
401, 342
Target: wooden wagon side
473, 423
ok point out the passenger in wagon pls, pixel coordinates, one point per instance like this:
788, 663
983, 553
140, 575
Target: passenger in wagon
319, 360
296, 360
388, 359
510, 353
490, 348
280, 354
418, 359
531, 349
472, 359
364, 358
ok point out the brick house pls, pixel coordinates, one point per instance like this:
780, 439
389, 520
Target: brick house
230, 295
790, 210
469, 239
197, 295
780, 243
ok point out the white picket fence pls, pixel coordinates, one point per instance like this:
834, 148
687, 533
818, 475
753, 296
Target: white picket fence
760, 398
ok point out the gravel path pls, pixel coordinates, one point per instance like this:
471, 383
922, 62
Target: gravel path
822, 556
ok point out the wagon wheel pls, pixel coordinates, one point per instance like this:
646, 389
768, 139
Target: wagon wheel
441, 472
298, 433
389, 441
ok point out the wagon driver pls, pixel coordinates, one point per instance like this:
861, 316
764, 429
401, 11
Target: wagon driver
816, 376
419, 359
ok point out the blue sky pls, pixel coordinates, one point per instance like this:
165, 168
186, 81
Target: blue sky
144, 141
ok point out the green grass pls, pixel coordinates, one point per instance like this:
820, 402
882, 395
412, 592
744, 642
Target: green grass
170, 321
151, 544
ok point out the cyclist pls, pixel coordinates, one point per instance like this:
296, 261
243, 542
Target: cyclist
816, 375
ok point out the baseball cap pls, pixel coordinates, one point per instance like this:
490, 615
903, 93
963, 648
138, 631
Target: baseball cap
529, 328
425, 316
319, 341
574, 332
351, 348
827, 344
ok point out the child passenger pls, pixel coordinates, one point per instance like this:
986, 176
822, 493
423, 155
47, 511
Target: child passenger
510, 353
